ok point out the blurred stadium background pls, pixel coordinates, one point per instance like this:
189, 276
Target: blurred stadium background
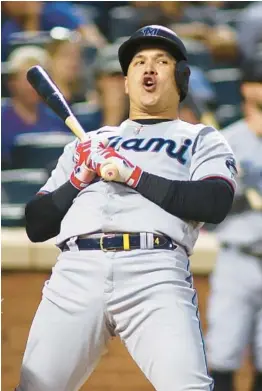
77, 43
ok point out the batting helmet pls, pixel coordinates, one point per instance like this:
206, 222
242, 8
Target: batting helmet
160, 37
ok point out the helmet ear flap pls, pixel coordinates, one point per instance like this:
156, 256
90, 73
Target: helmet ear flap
182, 73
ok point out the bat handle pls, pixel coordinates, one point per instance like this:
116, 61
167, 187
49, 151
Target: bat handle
109, 172
75, 127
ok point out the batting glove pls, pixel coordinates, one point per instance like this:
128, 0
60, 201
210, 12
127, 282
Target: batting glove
128, 173
83, 174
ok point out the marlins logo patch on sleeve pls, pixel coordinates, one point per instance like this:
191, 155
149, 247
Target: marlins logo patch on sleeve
231, 165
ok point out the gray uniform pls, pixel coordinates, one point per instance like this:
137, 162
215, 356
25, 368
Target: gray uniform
235, 305
145, 296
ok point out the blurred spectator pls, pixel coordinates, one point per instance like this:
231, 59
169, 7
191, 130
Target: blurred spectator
200, 21
192, 21
110, 86
200, 86
251, 90
235, 306
249, 40
65, 67
244, 41
149, 12
24, 112
204, 21
33, 16
197, 106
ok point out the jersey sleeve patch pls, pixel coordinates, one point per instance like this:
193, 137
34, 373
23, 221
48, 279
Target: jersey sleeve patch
231, 165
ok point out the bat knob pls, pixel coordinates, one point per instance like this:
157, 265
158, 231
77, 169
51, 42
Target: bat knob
109, 172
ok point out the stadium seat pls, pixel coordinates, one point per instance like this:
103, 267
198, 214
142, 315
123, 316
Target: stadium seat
12, 215
198, 54
89, 54
200, 86
39, 150
21, 38
18, 187
226, 82
124, 21
227, 114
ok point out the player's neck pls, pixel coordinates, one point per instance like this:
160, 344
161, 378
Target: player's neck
136, 113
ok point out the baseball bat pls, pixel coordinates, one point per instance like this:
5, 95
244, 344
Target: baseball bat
53, 97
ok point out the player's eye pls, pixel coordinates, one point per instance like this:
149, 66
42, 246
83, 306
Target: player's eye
140, 62
163, 61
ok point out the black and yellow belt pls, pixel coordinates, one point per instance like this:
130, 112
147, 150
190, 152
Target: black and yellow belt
122, 242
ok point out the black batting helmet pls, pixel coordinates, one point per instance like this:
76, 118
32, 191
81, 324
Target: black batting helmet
160, 37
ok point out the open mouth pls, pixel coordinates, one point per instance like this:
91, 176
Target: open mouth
149, 83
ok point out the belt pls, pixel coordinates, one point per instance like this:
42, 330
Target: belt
123, 242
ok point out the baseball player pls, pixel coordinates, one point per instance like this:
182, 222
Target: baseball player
125, 244
235, 305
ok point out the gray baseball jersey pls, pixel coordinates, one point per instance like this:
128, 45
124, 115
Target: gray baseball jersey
244, 227
235, 309
146, 296
182, 152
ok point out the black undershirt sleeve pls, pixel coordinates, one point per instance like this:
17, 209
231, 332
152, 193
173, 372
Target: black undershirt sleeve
207, 201
44, 213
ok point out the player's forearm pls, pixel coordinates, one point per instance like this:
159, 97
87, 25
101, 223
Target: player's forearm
207, 201
45, 212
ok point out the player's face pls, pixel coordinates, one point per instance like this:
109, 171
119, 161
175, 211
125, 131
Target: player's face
150, 83
66, 61
21, 89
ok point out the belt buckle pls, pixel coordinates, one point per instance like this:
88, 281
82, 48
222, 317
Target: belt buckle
101, 243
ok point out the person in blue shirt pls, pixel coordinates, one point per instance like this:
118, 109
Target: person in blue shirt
109, 82
24, 112
28, 16
67, 65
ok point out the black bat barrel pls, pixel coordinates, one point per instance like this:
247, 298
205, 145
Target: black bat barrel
49, 92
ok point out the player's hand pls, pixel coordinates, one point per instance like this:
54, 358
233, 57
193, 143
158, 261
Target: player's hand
83, 174
128, 172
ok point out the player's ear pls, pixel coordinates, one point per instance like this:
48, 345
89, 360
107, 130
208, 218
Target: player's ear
126, 86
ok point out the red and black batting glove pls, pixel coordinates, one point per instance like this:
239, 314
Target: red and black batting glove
128, 172
82, 174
